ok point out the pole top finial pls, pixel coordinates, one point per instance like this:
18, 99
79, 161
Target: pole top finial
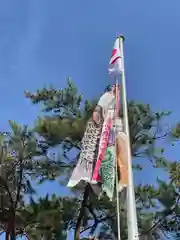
121, 36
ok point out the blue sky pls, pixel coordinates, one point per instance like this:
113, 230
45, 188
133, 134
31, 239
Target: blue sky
42, 42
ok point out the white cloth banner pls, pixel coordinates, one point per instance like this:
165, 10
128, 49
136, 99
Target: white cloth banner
116, 63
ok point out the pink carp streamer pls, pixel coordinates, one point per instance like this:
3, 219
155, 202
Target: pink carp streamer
108, 124
102, 147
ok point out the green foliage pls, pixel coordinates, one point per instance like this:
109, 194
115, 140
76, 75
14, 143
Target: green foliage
69, 115
24, 157
176, 132
19, 152
67, 130
49, 217
146, 129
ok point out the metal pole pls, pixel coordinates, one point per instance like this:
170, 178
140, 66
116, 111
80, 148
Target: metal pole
131, 205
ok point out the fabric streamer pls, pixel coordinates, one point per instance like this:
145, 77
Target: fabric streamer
108, 164
84, 168
107, 125
107, 169
122, 157
89, 145
102, 146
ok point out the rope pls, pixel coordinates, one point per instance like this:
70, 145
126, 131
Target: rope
117, 183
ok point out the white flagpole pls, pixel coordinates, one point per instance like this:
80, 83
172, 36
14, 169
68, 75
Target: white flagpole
131, 205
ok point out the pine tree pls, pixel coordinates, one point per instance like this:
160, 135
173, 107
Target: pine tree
63, 125
49, 218
19, 153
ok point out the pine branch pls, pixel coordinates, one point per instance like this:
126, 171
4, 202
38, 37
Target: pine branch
98, 221
168, 212
19, 186
4, 184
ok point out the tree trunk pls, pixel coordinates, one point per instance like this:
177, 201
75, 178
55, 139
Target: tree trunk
13, 235
7, 235
82, 212
12, 227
